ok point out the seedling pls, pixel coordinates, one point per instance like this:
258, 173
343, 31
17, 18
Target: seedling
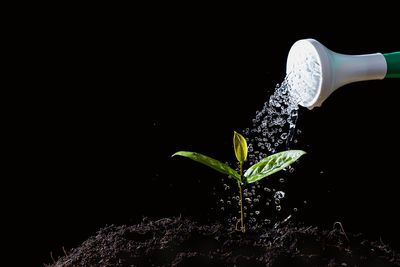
258, 171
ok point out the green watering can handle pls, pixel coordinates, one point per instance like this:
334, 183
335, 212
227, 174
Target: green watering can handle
393, 65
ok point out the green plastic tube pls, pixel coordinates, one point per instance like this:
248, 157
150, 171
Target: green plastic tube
393, 65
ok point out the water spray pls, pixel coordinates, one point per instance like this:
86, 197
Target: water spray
314, 72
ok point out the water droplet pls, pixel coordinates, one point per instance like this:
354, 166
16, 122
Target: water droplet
250, 148
266, 189
279, 194
267, 221
221, 200
228, 202
277, 201
222, 208
257, 212
278, 208
295, 209
282, 180
248, 199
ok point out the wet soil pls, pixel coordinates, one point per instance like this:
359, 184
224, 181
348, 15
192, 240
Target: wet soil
182, 242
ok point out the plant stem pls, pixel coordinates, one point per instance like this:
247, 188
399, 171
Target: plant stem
241, 199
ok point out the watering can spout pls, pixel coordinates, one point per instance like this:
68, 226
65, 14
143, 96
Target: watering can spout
314, 72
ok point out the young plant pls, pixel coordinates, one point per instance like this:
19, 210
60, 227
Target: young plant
258, 171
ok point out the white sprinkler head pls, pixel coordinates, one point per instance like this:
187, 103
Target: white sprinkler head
314, 72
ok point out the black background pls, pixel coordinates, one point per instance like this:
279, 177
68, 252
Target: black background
106, 99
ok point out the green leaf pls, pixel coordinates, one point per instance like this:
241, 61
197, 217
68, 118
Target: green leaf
272, 164
210, 162
240, 147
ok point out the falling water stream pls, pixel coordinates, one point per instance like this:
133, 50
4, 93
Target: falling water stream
273, 130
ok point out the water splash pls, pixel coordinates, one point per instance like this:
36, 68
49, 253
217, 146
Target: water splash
273, 130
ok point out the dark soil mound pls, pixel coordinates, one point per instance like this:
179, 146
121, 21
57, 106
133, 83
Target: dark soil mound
176, 242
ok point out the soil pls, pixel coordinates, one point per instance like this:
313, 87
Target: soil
182, 242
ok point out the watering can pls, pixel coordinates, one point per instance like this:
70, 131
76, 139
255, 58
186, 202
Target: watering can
315, 72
